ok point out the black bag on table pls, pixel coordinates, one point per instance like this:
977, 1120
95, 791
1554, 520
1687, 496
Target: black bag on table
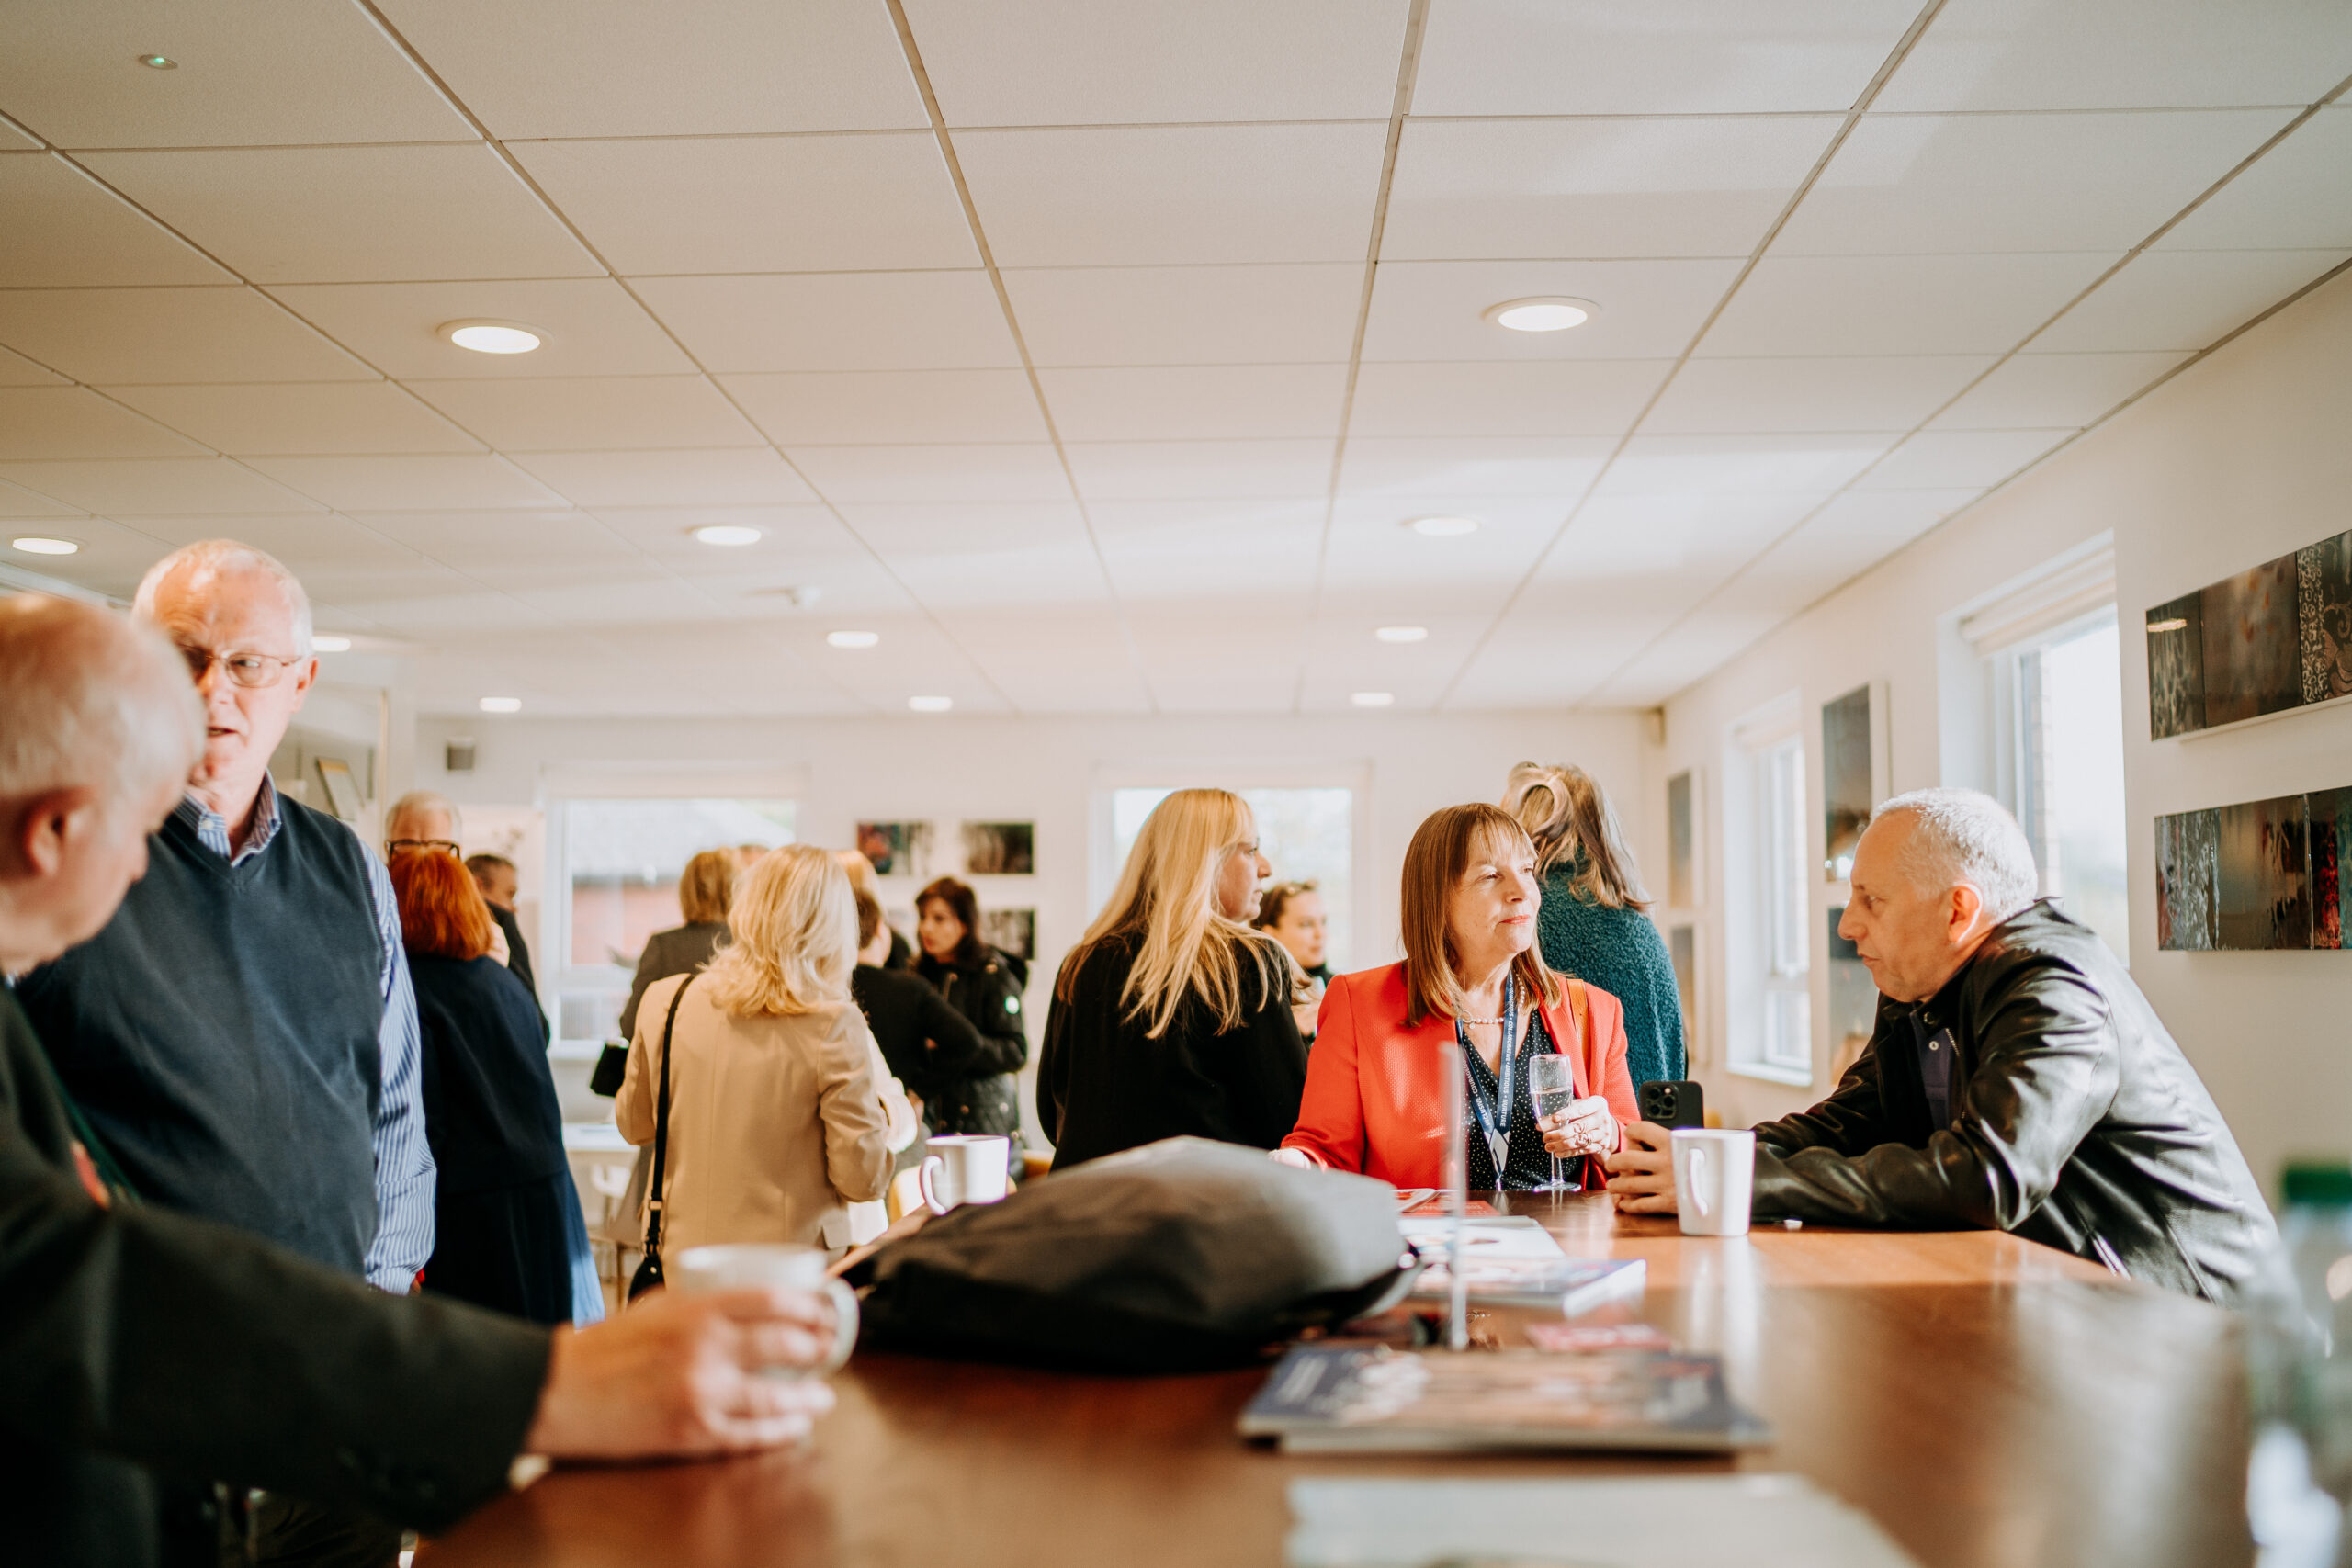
1181, 1256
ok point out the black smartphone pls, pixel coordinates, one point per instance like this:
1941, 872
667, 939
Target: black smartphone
1673, 1102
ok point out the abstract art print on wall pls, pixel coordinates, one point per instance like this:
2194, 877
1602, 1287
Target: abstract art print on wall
1682, 869
1000, 849
2253, 639
2324, 610
896, 849
2262, 894
1844, 777
2327, 816
2176, 667
1011, 931
2185, 854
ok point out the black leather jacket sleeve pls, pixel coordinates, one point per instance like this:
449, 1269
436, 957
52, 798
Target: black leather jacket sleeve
2043, 1074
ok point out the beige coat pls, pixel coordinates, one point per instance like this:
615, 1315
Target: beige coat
776, 1124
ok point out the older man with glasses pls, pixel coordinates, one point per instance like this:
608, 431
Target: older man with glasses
242, 1035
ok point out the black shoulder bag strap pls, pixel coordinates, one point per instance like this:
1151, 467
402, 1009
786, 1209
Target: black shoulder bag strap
649, 1273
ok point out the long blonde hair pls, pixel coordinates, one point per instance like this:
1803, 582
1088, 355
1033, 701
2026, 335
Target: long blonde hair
1441, 852
796, 938
1566, 816
1167, 896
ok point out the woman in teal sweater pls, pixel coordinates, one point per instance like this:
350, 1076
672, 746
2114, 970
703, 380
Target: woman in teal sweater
1591, 923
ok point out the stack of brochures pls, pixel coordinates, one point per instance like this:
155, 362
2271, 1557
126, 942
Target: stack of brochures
1513, 1261
1328, 1398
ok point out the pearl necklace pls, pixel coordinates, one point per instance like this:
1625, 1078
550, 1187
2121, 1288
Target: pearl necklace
1490, 1022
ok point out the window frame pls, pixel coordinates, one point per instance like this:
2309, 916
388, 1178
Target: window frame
1770, 895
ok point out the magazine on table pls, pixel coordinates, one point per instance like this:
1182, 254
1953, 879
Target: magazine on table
1329, 1398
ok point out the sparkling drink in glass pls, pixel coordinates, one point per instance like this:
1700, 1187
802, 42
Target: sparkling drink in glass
1552, 1086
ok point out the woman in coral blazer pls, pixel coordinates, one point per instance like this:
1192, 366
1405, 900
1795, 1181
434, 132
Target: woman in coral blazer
1376, 1097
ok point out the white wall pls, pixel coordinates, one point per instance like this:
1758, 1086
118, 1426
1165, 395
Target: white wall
1051, 772
2241, 458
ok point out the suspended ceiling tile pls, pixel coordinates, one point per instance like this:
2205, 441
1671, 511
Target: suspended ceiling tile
2182, 299
250, 73
1574, 396
1157, 195
1774, 395
584, 413
997, 472
306, 418
806, 530
1188, 315
17, 502
1174, 550
352, 214
533, 68
901, 531
2296, 195
65, 230
1169, 470
988, 574
1195, 401
112, 559
1946, 184
1949, 460
406, 483
1886, 520
751, 476
15, 138
73, 422
1643, 552
501, 547
139, 336
590, 327
759, 203
1595, 188
137, 486
1648, 310
2053, 391
334, 557
886, 407
1672, 465
1370, 561
1424, 475
15, 370
2005, 54
1053, 662
1071, 63
1507, 57
870, 320
1897, 305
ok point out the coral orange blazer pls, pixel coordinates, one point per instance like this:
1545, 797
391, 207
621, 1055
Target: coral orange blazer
1377, 1092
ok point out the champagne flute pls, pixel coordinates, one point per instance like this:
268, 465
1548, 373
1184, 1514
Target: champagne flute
1552, 1086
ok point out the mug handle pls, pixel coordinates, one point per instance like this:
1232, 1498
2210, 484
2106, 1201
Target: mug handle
1699, 1181
931, 1199
844, 1301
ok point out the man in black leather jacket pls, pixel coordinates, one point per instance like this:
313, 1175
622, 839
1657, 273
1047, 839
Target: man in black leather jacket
2017, 1079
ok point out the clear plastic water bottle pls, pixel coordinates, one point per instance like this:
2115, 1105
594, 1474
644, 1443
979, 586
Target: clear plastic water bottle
2298, 1359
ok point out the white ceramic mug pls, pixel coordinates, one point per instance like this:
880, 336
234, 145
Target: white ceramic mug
965, 1168
757, 1265
1714, 1175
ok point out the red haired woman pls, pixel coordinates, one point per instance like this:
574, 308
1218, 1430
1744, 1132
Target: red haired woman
508, 1228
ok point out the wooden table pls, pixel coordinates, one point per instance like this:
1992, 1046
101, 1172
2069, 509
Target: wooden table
1987, 1400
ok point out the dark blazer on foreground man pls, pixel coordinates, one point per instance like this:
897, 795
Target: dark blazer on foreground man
308, 1383
2075, 1121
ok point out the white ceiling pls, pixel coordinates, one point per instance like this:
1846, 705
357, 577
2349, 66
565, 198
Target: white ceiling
1094, 356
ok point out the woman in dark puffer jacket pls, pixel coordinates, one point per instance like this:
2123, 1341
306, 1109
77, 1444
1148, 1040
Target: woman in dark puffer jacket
984, 984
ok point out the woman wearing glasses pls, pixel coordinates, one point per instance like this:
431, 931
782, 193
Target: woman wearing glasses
1171, 1016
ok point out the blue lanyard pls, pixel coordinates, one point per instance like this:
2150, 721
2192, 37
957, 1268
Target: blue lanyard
1497, 1143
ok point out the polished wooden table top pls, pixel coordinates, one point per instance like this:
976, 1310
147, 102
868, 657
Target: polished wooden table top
1988, 1400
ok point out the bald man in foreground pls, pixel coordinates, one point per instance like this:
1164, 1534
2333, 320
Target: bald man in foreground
2017, 1079
132, 1338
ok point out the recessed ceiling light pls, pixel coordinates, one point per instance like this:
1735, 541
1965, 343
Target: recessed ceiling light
159, 62
1403, 633
1545, 313
1372, 699
331, 645
1443, 527
853, 639
33, 545
728, 533
930, 705
502, 705
493, 337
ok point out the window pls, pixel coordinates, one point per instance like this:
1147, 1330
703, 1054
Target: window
2069, 708
1308, 835
1769, 881
1779, 835
621, 861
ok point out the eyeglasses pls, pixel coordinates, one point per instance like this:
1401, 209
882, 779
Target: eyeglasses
429, 846
242, 667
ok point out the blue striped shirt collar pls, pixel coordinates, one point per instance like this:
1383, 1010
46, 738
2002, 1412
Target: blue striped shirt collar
211, 829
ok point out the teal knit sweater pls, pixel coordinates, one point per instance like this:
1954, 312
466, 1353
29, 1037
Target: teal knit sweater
1621, 953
